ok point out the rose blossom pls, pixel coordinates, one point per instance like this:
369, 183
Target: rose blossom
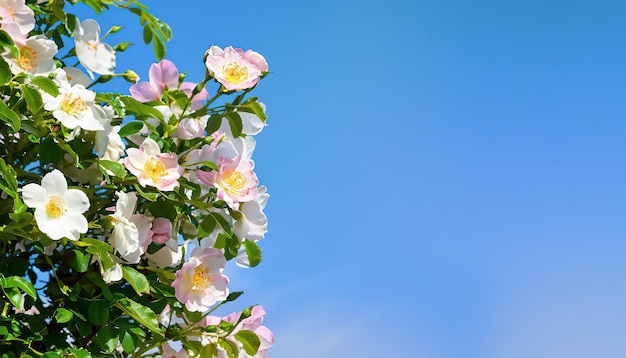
199, 284
58, 210
164, 76
252, 323
235, 69
235, 180
94, 55
153, 168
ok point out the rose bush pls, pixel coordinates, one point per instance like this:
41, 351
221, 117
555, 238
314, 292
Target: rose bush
119, 212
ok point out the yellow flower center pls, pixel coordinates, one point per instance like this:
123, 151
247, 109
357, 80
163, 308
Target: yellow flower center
72, 104
233, 181
154, 168
201, 279
55, 207
28, 58
234, 73
93, 44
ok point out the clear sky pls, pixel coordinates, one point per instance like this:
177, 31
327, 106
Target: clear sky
447, 178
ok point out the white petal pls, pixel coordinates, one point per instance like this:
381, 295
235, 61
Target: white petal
76, 76
112, 274
88, 30
54, 183
125, 205
76, 201
50, 227
150, 147
252, 124
75, 224
125, 238
34, 195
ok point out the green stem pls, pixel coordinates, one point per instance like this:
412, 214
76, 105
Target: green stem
64, 289
5, 309
35, 351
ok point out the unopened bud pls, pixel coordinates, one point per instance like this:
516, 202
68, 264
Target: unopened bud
122, 46
115, 29
131, 76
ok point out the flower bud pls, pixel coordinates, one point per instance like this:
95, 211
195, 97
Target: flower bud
131, 76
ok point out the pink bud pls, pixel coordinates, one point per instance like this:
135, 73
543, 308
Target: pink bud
162, 229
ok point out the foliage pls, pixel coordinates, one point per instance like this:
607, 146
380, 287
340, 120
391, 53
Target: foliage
119, 212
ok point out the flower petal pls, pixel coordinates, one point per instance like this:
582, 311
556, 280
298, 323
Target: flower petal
54, 183
74, 225
34, 195
145, 92
76, 201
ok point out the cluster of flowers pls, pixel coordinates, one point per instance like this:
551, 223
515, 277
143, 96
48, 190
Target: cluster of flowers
174, 156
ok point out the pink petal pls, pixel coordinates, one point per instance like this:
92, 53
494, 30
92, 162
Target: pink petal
145, 92
164, 75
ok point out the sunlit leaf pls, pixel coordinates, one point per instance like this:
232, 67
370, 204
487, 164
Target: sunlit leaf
62, 315
249, 340
10, 117
141, 314
136, 279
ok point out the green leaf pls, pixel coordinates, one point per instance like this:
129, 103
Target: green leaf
163, 209
236, 125
100, 245
96, 5
149, 196
159, 48
79, 315
62, 315
96, 278
209, 351
207, 226
5, 39
233, 296
108, 337
80, 353
98, 313
5, 72
46, 84
222, 222
7, 42
57, 9
16, 298
117, 168
258, 110
253, 251
51, 355
50, 152
229, 347
7, 115
98, 248
213, 124
9, 174
249, 340
130, 128
71, 23
80, 262
33, 98
147, 34
139, 109
19, 282
136, 279
128, 341
141, 314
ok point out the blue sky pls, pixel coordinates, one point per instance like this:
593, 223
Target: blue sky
447, 178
